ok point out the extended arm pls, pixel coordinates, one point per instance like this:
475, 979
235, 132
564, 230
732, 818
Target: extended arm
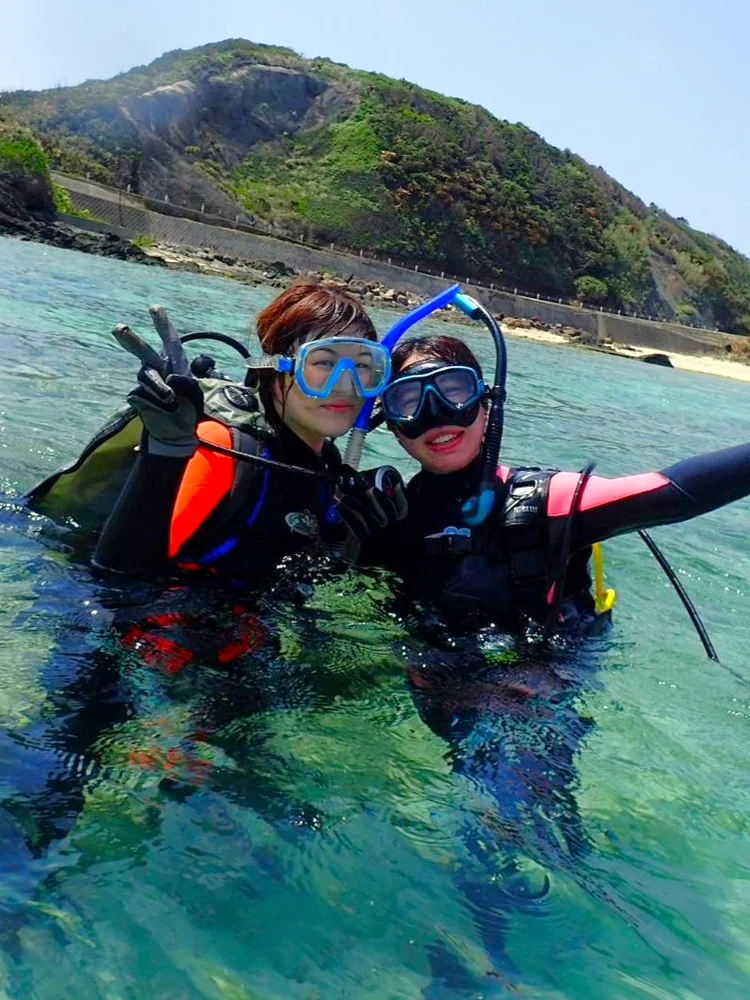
694, 486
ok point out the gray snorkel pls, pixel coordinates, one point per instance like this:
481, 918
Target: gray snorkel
478, 507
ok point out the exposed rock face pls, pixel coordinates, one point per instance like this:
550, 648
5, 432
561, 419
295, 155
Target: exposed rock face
255, 104
25, 201
225, 115
168, 112
232, 112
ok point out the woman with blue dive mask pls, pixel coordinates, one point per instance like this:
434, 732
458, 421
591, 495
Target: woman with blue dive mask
208, 479
230, 478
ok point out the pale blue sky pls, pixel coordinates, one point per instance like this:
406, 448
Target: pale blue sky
655, 91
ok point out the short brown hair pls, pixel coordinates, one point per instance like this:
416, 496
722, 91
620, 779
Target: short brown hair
451, 350
306, 306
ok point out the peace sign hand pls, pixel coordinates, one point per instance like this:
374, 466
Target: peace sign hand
167, 398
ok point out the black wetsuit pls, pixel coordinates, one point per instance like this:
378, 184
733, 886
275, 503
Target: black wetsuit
268, 513
482, 579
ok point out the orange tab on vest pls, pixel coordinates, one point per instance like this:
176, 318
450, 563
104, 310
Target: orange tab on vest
206, 481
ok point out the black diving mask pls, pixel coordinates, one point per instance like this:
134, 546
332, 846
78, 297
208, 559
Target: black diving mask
432, 394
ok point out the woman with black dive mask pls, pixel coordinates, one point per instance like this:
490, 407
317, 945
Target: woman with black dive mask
526, 563
510, 717
436, 408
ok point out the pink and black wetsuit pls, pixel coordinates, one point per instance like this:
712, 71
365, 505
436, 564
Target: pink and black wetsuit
507, 565
694, 486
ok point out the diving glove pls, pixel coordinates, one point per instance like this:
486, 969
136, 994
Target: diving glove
167, 398
369, 501
170, 409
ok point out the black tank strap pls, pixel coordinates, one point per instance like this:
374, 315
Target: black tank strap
526, 536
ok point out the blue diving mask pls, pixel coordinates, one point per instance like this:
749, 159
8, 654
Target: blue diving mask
348, 365
432, 394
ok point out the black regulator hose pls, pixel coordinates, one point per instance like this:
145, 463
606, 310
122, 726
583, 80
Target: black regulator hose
692, 611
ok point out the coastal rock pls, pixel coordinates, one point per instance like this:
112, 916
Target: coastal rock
657, 359
519, 323
25, 201
278, 269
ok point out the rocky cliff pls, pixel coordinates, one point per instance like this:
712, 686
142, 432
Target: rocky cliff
28, 202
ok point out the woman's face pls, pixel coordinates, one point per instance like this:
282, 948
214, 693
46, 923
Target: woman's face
448, 448
311, 419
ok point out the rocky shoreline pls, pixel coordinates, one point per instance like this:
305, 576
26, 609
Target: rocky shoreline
371, 293
57, 234
277, 274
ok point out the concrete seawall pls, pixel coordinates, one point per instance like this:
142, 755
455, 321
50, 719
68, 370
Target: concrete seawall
128, 216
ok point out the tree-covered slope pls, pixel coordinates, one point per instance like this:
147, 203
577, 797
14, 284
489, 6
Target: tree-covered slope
373, 163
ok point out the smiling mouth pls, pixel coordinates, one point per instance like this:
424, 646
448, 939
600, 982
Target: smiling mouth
445, 440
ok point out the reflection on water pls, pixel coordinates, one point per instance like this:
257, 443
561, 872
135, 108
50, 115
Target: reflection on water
304, 793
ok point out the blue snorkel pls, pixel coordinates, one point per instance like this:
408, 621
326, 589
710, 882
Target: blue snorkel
478, 507
356, 443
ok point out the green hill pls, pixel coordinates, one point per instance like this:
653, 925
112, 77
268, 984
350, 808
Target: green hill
369, 162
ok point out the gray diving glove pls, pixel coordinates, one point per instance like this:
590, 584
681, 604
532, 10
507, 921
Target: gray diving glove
167, 398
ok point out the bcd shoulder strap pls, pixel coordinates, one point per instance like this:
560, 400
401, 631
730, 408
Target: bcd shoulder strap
525, 530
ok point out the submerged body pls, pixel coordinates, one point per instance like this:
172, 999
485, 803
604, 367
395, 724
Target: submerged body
508, 711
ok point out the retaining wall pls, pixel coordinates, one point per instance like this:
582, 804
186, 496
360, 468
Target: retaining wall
128, 216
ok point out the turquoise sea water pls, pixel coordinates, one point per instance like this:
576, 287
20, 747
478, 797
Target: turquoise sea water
320, 841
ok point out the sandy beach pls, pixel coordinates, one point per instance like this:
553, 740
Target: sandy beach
702, 363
